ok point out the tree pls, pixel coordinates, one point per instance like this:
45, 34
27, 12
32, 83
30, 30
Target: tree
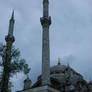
15, 65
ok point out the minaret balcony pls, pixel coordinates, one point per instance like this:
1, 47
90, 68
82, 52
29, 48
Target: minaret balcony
9, 38
45, 21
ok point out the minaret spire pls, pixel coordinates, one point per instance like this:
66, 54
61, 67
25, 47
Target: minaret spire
12, 15
46, 22
11, 25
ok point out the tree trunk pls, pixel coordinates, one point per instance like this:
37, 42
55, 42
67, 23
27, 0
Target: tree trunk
5, 80
6, 69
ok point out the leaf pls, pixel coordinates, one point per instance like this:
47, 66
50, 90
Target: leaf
19, 66
16, 64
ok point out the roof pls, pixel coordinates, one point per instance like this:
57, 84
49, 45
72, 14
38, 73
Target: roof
63, 76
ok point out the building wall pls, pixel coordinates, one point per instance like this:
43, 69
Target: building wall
41, 89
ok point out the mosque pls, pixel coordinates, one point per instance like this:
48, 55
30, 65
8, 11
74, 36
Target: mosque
59, 78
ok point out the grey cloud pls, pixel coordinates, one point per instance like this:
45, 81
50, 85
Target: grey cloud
70, 33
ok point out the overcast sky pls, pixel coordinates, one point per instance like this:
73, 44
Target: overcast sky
70, 34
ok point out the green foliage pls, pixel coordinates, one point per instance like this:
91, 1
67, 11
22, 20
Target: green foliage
16, 65
9, 86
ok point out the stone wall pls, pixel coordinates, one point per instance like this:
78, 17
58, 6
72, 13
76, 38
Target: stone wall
41, 89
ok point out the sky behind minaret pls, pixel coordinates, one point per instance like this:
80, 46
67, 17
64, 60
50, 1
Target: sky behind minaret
70, 34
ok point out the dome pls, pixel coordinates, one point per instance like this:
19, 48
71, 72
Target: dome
64, 78
63, 73
58, 69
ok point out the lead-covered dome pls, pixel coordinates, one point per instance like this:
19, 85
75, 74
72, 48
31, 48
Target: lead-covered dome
58, 69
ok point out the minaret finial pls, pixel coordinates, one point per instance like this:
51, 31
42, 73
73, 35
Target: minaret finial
59, 63
12, 15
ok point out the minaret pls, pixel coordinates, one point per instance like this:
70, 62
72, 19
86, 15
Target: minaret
45, 22
7, 59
